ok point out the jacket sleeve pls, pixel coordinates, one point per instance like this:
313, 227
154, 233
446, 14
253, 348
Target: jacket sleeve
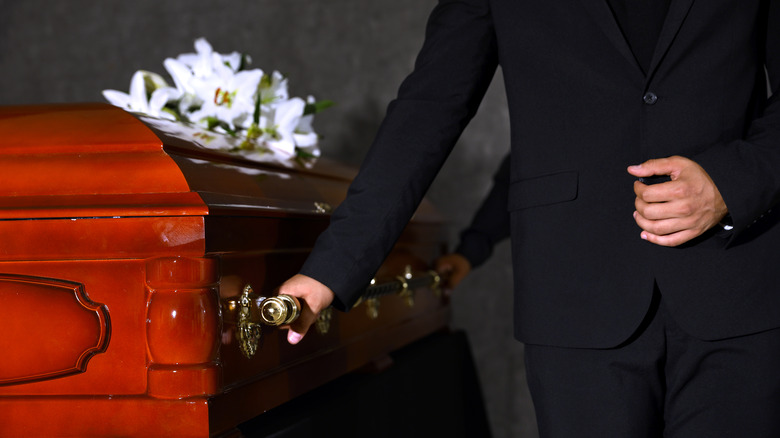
434, 103
490, 224
747, 171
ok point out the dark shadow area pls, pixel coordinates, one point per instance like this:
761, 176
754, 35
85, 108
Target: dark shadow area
431, 389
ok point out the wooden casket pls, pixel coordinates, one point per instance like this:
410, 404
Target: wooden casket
125, 248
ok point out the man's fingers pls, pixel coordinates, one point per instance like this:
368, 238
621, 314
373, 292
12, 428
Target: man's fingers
657, 166
299, 327
663, 210
454, 267
662, 192
647, 193
674, 239
313, 297
665, 226
294, 337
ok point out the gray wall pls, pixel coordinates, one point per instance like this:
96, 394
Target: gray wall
354, 52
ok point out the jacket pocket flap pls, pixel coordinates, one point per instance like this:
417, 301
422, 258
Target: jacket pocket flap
543, 190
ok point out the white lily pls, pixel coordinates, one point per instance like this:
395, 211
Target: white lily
304, 134
233, 60
280, 122
228, 96
212, 90
274, 89
182, 77
201, 63
140, 99
189, 70
181, 74
205, 59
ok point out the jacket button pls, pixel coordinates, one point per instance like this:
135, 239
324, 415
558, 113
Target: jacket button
650, 98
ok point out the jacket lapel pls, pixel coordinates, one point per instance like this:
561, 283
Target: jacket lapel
678, 10
600, 12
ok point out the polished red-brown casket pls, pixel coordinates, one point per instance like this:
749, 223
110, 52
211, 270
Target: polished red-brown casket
124, 244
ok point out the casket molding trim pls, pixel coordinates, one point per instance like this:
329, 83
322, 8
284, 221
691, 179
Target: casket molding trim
68, 328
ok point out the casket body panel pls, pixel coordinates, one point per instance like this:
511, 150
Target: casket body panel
122, 244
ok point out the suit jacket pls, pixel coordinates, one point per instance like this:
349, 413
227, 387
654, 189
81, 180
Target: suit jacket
582, 110
490, 223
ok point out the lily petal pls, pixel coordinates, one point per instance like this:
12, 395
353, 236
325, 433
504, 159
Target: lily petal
287, 115
138, 100
305, 140
203, 66
160, 97
181, 74
157, 80
117, 98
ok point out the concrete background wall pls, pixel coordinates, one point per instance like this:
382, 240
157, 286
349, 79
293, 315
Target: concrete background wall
354, 52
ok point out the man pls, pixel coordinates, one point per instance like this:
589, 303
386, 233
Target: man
669, 329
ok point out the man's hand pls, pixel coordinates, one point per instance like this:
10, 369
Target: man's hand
677, 211
455, 267
314, 297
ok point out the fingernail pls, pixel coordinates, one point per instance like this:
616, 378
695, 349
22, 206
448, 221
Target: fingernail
643, 236
635, 213
293, 337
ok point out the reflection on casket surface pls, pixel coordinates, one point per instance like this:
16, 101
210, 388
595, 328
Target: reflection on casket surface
124, 249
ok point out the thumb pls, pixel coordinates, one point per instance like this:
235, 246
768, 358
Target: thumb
657, 166
299, 327
294, 337
312, 296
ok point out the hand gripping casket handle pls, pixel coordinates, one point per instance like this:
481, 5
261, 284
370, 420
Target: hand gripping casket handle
254, 311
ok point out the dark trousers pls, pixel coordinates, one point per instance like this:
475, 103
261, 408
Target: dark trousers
660, 383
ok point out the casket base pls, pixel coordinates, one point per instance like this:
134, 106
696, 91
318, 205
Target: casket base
214, 416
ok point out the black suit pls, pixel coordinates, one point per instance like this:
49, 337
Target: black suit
490, 223
581, 111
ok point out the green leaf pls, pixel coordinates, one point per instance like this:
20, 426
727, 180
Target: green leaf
265, 81
256, 115
302, 153
254, 132
316, 107
172, 112
212, 122
303, 158
245, 61
149, 86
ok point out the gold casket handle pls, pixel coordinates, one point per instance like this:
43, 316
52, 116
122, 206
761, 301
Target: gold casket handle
255, 311
280, 310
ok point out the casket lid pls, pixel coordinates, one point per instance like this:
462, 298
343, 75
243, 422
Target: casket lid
96, 160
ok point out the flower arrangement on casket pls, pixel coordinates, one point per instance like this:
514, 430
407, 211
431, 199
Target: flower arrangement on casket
216, 94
